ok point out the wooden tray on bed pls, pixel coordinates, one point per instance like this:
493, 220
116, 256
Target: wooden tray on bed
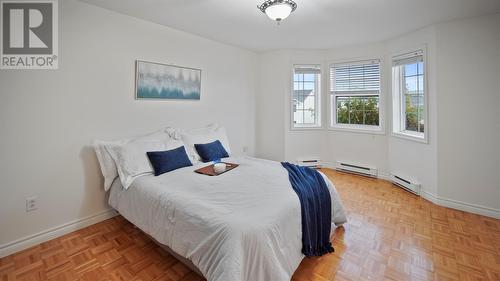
209, 170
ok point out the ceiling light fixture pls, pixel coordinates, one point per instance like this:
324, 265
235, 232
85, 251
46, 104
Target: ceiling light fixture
278, 10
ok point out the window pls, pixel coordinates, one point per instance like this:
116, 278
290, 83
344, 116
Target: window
408, 87
355, 95
306, 96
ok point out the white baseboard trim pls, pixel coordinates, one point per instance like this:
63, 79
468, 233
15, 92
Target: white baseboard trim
384, 176
381, 175
327, 165
443, 202
46, 235
462, 206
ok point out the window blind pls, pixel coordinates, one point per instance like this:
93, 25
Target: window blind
361, 76
307, 69
408, 58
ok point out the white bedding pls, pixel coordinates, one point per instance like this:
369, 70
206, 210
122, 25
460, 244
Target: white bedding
240, 226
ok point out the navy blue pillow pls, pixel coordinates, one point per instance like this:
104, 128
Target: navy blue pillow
211, 151
166, 161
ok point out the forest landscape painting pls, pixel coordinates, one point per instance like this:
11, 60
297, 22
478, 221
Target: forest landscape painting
162, 81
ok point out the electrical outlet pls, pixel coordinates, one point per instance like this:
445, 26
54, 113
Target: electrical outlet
31, 204
245, 149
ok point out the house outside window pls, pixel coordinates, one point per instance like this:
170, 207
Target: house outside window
306, 96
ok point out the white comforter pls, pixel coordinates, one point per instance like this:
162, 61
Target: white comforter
242, 225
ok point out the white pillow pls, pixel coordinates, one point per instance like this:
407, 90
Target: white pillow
203, 135
131, 159
108, 167
106, 161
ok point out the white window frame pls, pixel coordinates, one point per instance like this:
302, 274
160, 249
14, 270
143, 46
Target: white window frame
398, 107
318, 98
332, 108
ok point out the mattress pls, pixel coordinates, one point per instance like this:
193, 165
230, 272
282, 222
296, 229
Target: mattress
239, 226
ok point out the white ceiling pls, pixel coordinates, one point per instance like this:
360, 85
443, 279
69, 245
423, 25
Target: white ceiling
316, 24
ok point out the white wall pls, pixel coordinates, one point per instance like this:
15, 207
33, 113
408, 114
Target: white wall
302, 143
360, 148
275, 139
410, 159
48, 119
269, 108
469, 111
460, 165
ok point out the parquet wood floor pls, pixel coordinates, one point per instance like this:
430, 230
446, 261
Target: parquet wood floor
391, 235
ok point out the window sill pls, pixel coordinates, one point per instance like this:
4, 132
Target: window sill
306, 128
421, 138
358, 129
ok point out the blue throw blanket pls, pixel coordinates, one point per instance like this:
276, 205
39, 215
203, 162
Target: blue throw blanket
315, 204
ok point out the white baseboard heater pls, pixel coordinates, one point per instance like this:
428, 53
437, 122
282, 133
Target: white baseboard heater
311, 163
406, 184
356, 169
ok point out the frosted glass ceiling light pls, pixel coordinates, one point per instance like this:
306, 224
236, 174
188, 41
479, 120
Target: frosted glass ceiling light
278, 10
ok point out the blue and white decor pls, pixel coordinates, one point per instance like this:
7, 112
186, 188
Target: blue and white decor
162, 81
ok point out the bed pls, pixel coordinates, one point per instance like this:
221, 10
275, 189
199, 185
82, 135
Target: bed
239, 226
